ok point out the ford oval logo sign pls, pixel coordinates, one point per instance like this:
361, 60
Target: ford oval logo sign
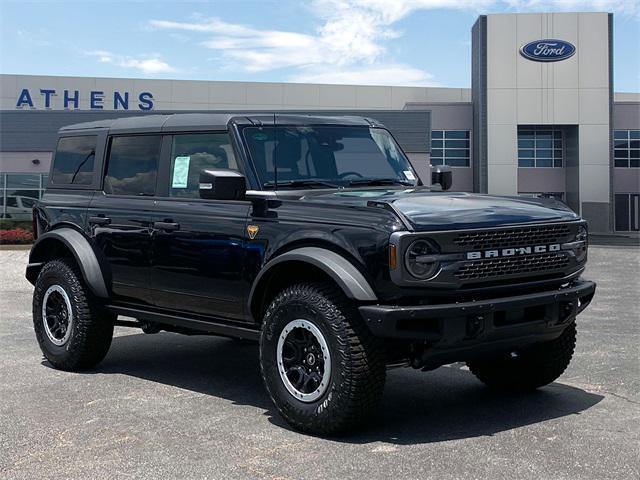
549, 50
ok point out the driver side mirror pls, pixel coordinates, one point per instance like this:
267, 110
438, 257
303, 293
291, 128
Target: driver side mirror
222, 184
442, 175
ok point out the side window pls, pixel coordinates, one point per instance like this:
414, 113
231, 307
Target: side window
132, 166
191, 153
73, 161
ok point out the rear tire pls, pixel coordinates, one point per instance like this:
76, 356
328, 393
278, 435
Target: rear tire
529, 368
73, 331
336, 367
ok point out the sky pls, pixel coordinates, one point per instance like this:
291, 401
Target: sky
375, 42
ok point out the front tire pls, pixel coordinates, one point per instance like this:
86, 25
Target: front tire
530, 368
73, 331
322, 368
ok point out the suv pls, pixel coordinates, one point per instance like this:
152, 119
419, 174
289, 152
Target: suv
313, 236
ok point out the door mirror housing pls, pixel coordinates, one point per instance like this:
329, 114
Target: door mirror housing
443, 176
222, 184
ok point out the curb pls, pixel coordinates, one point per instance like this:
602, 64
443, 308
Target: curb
15, 247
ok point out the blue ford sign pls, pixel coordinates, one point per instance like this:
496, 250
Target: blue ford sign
549, 50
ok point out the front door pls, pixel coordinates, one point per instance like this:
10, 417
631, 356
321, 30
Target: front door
198, 245
120, 216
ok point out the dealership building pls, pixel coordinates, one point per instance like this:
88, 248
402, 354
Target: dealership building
541, 117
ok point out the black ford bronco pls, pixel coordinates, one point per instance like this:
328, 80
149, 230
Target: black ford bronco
313, 236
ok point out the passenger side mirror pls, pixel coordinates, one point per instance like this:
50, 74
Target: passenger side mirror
442, 175
222, 184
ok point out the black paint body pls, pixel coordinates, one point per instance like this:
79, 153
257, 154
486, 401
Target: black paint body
202, 274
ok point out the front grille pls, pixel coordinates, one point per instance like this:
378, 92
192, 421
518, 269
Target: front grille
513, 237
497, 267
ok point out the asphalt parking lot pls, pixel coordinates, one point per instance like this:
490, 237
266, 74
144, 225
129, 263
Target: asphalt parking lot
171, 406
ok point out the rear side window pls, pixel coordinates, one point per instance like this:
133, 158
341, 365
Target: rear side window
132, 166
74, 160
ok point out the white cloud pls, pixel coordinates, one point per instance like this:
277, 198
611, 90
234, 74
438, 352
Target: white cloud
150, 64
377, 74
344, 49
350, 42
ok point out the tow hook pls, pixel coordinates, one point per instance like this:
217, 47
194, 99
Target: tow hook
475, 326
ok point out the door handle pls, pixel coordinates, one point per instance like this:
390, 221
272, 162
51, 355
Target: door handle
166, 226
99, 220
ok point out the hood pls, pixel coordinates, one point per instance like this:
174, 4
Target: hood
427, 210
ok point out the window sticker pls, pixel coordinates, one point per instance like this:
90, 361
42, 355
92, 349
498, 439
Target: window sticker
409, 175
180, 172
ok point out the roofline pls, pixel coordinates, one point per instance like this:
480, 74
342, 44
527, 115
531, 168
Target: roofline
211, 120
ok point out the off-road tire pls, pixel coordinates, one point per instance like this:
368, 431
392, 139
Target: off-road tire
91, 328
357, 361
530, 368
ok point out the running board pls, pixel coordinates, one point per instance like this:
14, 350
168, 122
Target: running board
215, 328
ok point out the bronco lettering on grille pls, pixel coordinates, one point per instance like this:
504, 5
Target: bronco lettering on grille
510, 252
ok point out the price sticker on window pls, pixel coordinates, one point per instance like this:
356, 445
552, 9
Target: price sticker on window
180, 172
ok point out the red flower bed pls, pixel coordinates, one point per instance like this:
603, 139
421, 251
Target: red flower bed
16, 236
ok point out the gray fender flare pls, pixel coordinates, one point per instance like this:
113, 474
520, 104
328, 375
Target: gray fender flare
341, 270
82, 251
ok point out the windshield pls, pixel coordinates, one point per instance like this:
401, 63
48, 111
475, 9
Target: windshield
327, 156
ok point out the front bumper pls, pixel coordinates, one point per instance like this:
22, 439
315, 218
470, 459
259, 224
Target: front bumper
485, 325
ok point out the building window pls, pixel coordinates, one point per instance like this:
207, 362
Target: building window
18, 194
627, 211
626, 148
450, 147
540, 148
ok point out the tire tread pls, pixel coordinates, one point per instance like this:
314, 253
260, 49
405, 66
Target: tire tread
360, 355
92, 326
537, 365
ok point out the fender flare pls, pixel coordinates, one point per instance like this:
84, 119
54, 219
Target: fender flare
81, 250
341, 270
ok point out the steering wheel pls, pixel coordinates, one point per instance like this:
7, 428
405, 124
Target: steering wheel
345, 174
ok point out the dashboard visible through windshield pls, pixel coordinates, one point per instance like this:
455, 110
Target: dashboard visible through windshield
326, 157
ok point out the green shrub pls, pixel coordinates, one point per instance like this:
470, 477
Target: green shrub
8, 224
15, 232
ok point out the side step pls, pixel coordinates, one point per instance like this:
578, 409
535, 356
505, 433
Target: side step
212, 327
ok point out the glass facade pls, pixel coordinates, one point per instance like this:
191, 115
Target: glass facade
451, 147
18, 194
540, 147
626, 148
627, 212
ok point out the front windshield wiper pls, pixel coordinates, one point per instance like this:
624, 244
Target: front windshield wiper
300, 183
379, 181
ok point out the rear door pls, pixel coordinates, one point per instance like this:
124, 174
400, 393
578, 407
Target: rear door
198, 246
120, 216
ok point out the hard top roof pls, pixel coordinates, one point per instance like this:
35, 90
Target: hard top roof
212, 121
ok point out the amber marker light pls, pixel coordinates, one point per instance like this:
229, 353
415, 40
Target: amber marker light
393, 256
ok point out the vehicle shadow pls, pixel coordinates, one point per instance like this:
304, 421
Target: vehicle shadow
417, 407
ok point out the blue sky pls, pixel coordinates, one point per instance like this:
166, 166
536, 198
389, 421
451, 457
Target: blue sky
384, 42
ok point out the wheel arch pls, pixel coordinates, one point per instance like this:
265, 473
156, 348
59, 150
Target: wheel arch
308, 263
67, 242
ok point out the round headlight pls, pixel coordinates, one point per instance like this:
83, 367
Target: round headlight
581, 236
421, 260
